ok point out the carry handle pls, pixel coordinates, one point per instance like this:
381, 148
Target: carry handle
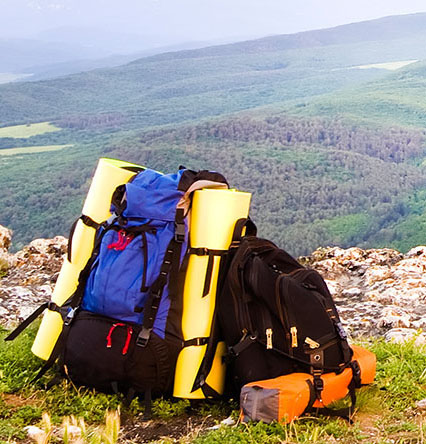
248, 224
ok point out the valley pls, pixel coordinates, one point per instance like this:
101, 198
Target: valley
333, 155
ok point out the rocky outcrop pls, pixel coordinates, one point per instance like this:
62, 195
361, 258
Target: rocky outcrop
29, 277
379, 292
6, 260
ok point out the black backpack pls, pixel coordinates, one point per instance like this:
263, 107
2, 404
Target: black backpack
276, 316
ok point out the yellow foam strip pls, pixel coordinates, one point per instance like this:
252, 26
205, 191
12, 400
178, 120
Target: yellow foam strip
213, 217
109, 174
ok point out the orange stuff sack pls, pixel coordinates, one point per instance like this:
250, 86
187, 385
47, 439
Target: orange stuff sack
289, 396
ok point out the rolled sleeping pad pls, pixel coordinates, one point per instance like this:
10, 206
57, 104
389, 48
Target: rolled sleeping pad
287, 397
212, 220
109, 174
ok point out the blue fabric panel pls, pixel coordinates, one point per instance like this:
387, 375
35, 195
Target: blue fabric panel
113, 288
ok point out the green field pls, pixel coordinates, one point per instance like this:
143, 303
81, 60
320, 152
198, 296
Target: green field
24, 131
31, 149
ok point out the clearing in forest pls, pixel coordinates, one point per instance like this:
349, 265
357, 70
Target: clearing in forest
31, 149
24, 131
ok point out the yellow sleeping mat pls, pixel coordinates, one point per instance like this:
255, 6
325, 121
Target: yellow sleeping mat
212, 220
109, 174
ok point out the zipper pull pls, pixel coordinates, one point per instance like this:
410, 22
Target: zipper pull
293, 331
312, 344
269, 338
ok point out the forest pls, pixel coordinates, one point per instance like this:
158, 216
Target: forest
333, 154
315, 182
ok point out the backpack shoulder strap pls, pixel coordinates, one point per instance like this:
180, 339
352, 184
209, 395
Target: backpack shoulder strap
189, 182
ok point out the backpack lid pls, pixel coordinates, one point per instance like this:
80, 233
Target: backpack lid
153, 195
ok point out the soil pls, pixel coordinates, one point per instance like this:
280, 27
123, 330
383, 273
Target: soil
138, 430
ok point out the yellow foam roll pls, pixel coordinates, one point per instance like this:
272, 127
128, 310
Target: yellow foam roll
109, 174
213, 217
193, 356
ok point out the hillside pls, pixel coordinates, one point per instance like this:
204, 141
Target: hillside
328, 138
184, 85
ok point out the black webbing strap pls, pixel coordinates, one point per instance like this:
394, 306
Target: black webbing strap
234, 350
69, 309
207, 362
250, 227
195, 341
346, 349
208, 391
306, 363
344, 413
148, 404
144, 288
114, 386
130, 395
57, 349
23, 325
169, 271
209, 271
32, 317
87, 221
318, 382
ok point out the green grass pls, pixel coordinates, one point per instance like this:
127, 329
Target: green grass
30, 130
31, 149
386, 410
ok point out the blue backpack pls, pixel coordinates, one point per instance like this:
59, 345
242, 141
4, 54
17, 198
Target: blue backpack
122, 326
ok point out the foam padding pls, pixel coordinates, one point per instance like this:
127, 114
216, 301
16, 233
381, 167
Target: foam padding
213, 217
109, 174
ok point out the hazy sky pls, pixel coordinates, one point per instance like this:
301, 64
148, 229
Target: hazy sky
187, 20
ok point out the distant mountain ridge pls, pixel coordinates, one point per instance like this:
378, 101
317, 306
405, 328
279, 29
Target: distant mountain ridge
221, 79
387, 28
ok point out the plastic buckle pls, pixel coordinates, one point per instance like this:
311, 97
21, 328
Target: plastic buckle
318, 384
52, 306
70, 316
143, 337
179, 232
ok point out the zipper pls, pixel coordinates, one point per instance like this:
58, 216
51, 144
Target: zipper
311, 343
287, 313
293, 332
269, 344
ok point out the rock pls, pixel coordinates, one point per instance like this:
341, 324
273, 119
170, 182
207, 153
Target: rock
394, 317
6, 259
5, 238
421, 404
378, 292
352, 293
30, 277
400, 335
35, 433
375, 290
